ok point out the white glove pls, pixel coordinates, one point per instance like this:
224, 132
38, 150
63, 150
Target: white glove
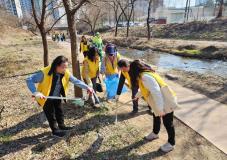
138, 95
39, 95
117, 98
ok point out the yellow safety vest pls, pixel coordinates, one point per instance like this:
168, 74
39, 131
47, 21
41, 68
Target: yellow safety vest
93, 68
84, 47
144, 91
45, 86
112, 68
127, 77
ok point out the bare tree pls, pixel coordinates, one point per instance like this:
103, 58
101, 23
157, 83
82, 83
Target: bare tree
221, 7
71, 8
91, 15
129, 4
187, 9
41, 20
148, 20
117, 12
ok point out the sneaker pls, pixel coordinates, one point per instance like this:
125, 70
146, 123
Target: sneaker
65, 128
167, 147
151, 137
59, 133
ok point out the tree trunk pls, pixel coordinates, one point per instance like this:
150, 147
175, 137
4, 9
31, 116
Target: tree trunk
220, 9
45, 48
186, 10
116, 29
148, 21
74, 55
74, 52
127, 33
116, 25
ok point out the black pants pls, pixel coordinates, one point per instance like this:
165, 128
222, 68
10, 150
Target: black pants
54, 114
168, 123
135, 102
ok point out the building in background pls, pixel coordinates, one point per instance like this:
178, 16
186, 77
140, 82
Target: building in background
26, 7
201, 2
12, 6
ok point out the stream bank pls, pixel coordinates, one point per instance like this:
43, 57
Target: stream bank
185, 48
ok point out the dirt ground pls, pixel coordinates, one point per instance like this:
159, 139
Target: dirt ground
24, 133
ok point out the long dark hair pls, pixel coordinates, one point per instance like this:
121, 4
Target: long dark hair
57, 62
84, 39
123, 63
136, 68
91, 53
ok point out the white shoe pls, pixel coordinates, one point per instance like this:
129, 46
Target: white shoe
167, 147
151, 137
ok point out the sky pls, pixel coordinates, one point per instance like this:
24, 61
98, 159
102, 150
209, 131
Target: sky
177, 3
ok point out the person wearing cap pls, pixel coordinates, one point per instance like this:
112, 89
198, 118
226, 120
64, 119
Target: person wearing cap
97, 42
109, 63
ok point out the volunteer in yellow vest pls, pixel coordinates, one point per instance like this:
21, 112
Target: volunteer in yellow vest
152, 88
90, 70
110, 60
124, 66
84, 46
53, 81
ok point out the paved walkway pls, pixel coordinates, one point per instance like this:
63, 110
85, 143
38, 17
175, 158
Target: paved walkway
204, 115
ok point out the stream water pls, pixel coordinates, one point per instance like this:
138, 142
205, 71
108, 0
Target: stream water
168, 61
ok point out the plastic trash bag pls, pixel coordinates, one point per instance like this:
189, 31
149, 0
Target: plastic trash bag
111, 86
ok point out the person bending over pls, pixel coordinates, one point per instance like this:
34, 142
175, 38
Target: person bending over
54, 80
151, 86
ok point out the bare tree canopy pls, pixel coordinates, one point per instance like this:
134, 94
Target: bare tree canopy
44, 23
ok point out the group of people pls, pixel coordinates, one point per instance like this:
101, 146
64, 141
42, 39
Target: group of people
59, 37
95, 41
141, 79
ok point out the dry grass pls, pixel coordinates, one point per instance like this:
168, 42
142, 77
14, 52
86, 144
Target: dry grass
24, 133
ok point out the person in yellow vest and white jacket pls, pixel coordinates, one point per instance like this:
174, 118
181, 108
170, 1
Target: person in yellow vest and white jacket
54, 80
90, 69
159, 96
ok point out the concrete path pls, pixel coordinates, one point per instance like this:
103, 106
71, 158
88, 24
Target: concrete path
202, 114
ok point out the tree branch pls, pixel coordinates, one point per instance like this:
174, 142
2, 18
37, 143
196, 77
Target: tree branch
55, 22
34, 13
77, 7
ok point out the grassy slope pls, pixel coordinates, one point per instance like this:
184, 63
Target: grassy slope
196, 30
